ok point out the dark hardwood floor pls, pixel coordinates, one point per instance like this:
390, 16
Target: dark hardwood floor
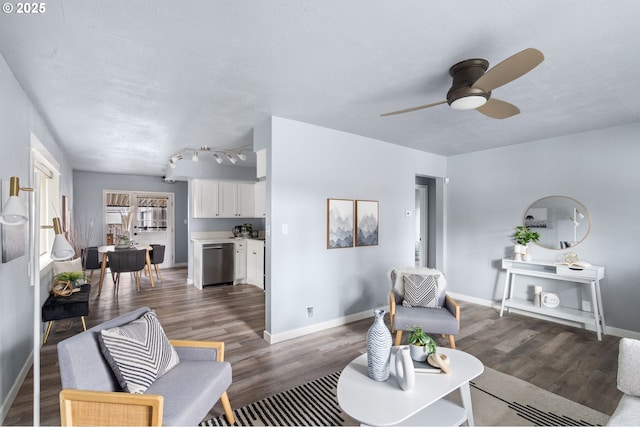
567, 361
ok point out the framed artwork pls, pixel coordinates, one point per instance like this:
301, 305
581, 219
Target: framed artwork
340, 221
366, 222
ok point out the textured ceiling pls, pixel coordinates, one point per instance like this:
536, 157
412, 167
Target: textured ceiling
125, 84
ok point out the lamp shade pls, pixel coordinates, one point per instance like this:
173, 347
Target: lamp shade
61, 249
14, 212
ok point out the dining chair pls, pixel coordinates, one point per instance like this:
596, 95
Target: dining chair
157, 257
127, 261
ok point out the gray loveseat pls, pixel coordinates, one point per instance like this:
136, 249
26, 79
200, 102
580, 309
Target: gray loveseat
182, 396
628, 411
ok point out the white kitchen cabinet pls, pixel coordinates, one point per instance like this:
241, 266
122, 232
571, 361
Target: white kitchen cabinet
260, 197
261, 163
204, 197
236, 199
240, 260
255, 263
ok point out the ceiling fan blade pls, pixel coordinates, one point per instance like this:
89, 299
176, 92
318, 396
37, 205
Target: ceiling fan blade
509, 69
497, 109
407, 110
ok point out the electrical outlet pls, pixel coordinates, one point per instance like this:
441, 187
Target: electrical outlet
310, 311
586, 306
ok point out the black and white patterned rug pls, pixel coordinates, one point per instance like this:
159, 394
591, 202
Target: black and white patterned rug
498, 399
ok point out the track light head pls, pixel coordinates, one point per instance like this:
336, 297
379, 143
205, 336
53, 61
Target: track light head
242, 156
231, 158
217, 158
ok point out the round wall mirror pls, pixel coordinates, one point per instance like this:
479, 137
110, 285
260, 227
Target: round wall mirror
562, 222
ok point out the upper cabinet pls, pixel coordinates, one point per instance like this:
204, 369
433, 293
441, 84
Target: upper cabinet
261, 163
204, 198
222, 199
260, 189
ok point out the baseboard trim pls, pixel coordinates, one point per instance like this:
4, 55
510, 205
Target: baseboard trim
15, 388
317, 327
608, 330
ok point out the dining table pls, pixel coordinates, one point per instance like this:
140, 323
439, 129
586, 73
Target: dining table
109, 248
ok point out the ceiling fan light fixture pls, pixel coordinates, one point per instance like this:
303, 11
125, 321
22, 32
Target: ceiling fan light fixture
470, 102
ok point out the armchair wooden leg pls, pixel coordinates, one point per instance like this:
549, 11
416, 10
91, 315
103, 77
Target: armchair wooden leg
452, 341
228, 412
398, 337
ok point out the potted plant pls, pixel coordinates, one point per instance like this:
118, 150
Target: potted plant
422, 345
522, 237
75, 278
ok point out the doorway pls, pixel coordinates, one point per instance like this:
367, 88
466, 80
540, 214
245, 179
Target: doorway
426, 228
145, 217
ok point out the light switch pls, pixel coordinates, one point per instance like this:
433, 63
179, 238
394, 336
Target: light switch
285, 228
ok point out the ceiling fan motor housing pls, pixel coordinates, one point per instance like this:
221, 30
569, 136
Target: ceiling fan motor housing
465, 74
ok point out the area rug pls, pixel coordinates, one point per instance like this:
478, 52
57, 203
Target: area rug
498, 399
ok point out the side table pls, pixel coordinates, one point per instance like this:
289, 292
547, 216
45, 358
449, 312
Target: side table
58, 308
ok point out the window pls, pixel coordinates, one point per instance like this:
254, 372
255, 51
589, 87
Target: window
48, 179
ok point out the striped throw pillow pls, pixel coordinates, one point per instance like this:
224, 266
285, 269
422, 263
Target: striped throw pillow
420, 291
138, 352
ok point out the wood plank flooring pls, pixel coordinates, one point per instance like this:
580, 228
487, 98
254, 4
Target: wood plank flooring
564, 360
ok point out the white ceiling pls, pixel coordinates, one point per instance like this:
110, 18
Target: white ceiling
125, 84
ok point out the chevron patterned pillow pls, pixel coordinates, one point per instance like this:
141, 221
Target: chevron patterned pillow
420, 291
138, 352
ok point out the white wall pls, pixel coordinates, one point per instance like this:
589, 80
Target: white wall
18, 120
490, 191
309, 164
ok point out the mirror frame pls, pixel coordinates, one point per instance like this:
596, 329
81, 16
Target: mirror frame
583, 210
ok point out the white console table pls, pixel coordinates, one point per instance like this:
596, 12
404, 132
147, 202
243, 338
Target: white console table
587, 276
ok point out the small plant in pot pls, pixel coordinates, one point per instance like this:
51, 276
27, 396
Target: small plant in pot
422, 345
522, 237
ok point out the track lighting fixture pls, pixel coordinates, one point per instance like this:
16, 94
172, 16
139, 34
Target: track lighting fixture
218, 155
14, 211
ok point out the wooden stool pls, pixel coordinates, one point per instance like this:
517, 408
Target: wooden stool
58, 308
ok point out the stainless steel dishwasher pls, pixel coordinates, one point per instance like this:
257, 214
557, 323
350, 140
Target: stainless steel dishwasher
218, 263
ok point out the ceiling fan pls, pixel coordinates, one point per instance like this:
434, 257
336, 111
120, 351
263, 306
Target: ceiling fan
472, 84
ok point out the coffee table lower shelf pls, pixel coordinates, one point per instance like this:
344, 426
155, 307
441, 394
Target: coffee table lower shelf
440, 413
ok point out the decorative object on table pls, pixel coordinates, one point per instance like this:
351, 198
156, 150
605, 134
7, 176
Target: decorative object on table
340, 220
522, 237
378, 348
123, 242
75, 278
425, 367
439, 360
366, 223
537, 295
421, 344
62, 288
127, 219
405, 373
550, 300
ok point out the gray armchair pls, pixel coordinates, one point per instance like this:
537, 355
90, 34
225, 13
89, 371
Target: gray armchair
183, 396
628, 411
428, 304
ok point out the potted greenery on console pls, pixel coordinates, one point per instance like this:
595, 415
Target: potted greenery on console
422, 345
522, 237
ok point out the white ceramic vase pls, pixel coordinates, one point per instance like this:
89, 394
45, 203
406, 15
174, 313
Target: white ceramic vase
378, 348
405, 373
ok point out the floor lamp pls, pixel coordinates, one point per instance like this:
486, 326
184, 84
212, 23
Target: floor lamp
15, 213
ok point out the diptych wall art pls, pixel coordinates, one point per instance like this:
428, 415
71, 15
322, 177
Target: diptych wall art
366, 222
340, 223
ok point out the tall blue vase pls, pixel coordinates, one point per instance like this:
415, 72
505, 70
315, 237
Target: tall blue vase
378, 348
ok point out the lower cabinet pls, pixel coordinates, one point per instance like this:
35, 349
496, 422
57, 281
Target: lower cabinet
241, 260
255, 263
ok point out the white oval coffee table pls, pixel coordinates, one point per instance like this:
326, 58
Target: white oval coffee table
385, 403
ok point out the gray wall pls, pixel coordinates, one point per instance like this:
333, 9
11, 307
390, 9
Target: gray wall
18, 119
88, 187
490, 190
309, 164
